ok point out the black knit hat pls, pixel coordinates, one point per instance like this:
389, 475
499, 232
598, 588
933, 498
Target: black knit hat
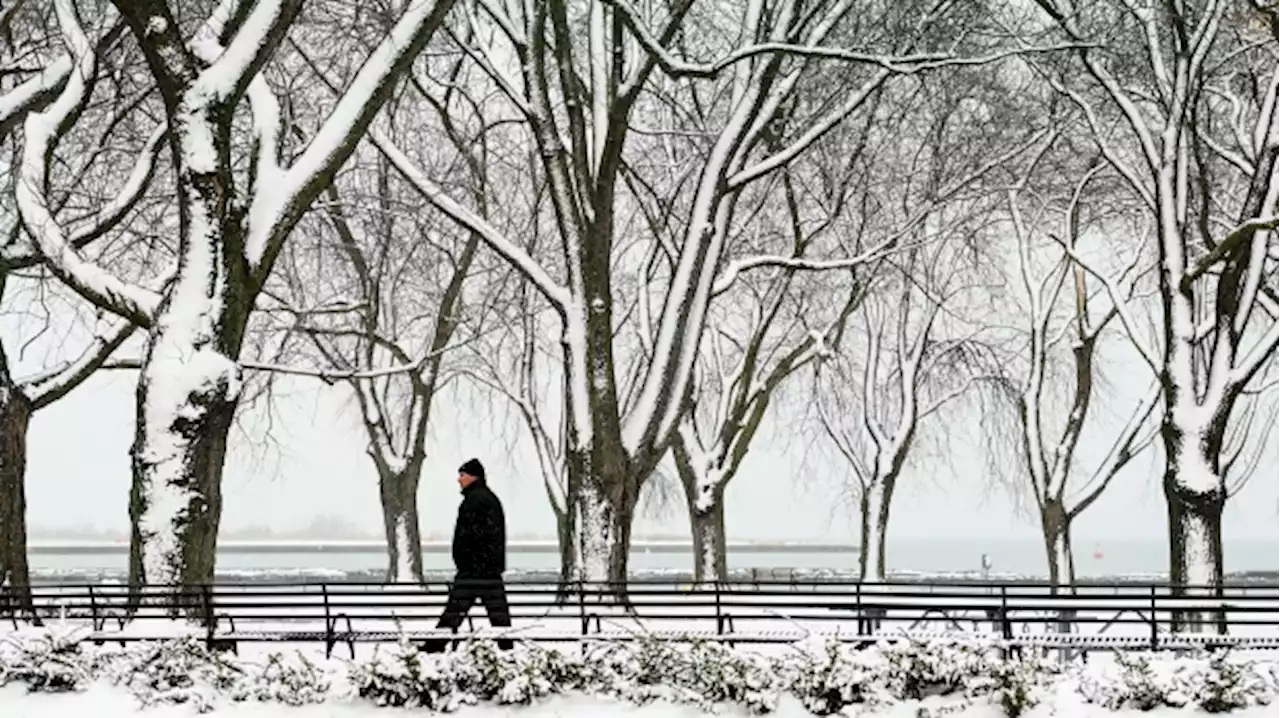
473, 467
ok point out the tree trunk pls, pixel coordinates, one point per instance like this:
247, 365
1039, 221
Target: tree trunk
187, 396
706, 519
1055, 528
710, 557
1195, 528
603, 491
603, 521
15, 577
875, 527
399, 495
1055, 525
567, 540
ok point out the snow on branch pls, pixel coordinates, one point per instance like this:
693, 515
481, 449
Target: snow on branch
1228, 246
1118, 301
49, 386
15, 103
232, 69
19, 256
1133, 439
328, 376
103, 289
273, 213
736, 267
555, 292
899, 64
266, 109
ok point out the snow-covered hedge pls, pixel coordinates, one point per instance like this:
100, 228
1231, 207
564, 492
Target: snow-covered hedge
45, 659
1215, 684
824, 677
174, 671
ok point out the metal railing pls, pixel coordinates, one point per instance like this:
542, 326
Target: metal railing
1127, 616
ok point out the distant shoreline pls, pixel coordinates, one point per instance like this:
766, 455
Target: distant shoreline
86, 548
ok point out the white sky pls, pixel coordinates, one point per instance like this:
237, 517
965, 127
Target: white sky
78, 473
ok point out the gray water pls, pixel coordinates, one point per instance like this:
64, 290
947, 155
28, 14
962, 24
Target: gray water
905, 558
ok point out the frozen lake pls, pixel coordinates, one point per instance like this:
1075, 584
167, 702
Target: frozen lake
942, 556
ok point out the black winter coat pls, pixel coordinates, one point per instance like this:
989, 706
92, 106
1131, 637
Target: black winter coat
480, 535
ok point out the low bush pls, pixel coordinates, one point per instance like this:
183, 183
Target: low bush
47, 659
825, 677
1215, 683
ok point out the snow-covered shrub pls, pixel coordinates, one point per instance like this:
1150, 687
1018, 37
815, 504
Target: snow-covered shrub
520, 675
292, 679
401, 675
1136, 681
825, 679
1020, 683
1223, 685
639, 672
1214, 683
478, 671
720, 674
701, 673
176, 671
48, 659
917, 669
1269, 672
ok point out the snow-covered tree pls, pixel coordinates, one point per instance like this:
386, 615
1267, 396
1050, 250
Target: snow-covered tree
585, 88
909, 353
1181, 101
380, 299
765, 328
32, 72
1063, 310
233, 220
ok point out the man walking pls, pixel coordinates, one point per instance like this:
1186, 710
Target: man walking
479, 555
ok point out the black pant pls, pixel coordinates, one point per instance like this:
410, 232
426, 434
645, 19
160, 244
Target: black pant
462, 595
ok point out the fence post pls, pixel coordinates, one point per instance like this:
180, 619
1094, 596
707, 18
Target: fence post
206, 596
93, 610
329, 640
1006, 626
719, 618
857, 608
1155, 622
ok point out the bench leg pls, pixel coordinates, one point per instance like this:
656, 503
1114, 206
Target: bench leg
223, 645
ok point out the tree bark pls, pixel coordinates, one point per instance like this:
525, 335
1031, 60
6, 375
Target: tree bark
187, 396
566, 536
710, 557
604, 480
875, 527
399, 496
15, 577
1055, 524
1055, 527
706, 519
1195, 529
603, 517
176, 513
